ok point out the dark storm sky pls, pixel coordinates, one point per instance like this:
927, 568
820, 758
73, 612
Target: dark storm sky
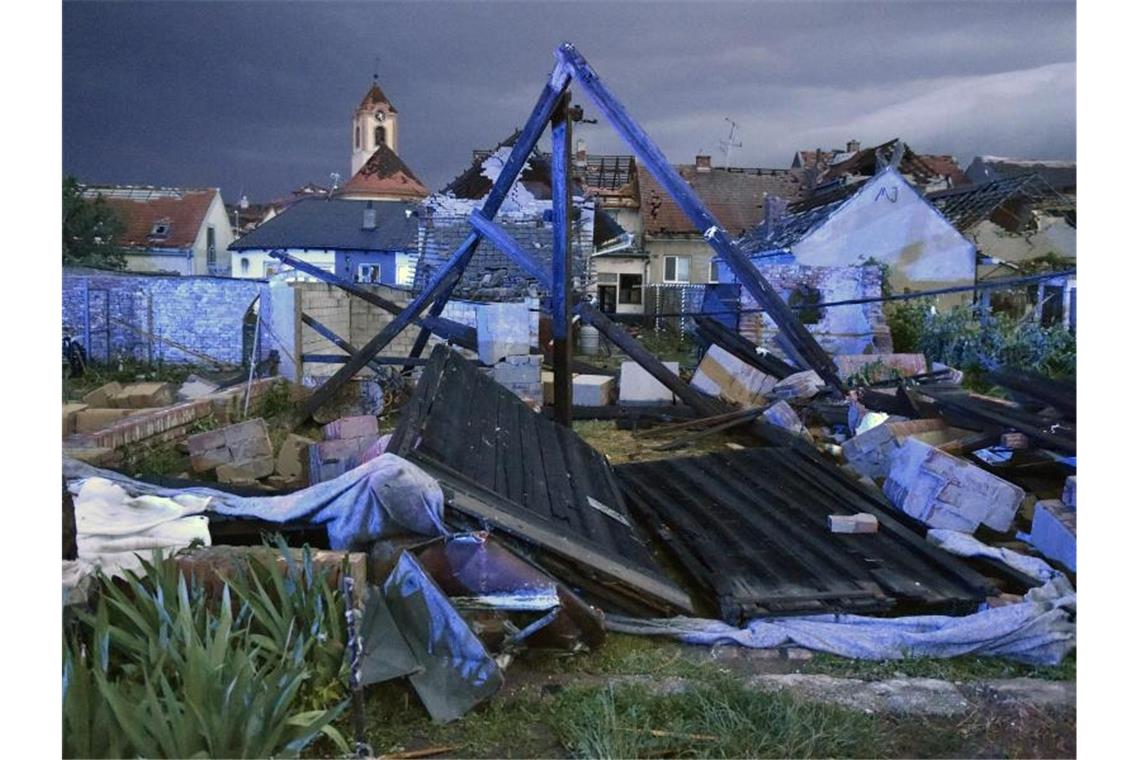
257, 97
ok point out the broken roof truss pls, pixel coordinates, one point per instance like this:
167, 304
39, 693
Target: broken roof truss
553, 108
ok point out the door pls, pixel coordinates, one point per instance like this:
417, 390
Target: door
607, 298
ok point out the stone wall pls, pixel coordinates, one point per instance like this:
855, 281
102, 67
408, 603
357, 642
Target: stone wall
855, 329
202, 314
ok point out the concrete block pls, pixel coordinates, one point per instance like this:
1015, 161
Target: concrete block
861, 522
195, 388
142, 396
944, 491
514, 375
69, 411
251, 469
783, 416
238, 443
1054, 532
290, 462
799, 385
722, 374
91, 420
593, 390
1014, 440
638, 387
351, 427
1069, 496
502, 329
879, 366
101, 396
869, 453
548, 387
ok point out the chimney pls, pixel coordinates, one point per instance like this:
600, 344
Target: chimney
580, 153
704, 163
775, 209
369, 217
852, 146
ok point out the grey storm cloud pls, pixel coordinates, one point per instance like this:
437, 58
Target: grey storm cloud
257, 97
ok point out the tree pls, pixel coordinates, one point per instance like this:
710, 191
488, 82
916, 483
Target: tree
90, 228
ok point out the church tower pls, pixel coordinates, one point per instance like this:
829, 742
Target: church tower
373, 124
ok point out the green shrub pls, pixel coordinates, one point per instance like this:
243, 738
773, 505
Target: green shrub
159, 669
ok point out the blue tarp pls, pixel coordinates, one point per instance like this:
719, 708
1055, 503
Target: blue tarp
383, 497
1039, 630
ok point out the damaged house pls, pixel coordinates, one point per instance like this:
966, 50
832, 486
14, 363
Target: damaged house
928, 172
169, 230
818, 251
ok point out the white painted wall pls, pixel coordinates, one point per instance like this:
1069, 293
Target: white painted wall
891, 222
260, 260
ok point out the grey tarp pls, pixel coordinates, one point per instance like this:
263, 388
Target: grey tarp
1038, 630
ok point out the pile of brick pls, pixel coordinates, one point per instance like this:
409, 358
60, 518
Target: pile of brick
238, 453
348, 442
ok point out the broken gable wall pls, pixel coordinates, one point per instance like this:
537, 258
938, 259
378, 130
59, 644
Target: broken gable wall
854, 329
890, 222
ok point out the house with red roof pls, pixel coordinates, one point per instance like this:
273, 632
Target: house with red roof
170, 230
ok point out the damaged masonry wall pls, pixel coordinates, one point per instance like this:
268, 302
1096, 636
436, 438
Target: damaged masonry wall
855, 329
204, 314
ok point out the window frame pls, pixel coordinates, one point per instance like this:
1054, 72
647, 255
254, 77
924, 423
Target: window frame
622, 289
676, 259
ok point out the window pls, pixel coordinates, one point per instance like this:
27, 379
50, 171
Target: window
211, 249
806, 298
160, 230
380, 136
356, 141
676, 269
714, 271
368, 273
245, 265
629, 289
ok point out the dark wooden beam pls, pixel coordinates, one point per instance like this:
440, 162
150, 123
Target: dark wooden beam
562, 264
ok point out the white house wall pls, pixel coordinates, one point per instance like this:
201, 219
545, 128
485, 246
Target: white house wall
260, 261
223, 235
890, 222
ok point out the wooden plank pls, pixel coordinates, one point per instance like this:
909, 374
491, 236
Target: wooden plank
562, 268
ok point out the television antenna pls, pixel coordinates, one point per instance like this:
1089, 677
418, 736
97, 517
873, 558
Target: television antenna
727, 144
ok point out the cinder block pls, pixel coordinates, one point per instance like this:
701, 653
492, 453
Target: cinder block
142, 396
251, 469
783, 416
593, 390
722, 374
351, 427
1069, 497
637, 387
101, 396
799, 385
502, 329
861, 522
944, 491
69, 411
1054, 532
242, 442
290, 461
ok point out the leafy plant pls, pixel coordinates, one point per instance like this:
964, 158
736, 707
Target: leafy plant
90, 228
160, 668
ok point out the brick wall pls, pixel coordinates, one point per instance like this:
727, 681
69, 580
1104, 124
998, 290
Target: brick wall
204, 314
855, 329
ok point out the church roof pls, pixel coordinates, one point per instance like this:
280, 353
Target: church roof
385, 174
375, 96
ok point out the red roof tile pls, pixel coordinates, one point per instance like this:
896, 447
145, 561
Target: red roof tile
375, 96
142, 208
735, 197
385, 174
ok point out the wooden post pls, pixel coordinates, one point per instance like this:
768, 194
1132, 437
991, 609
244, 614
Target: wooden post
561, 261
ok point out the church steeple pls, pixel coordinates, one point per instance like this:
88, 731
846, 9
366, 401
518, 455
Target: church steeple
374, 123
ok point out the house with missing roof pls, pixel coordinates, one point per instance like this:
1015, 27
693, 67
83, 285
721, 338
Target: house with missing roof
170, 230
669, 250
357, 240
526, 214
827, 248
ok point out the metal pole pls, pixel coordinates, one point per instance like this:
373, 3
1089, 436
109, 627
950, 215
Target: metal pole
252, 359
561, 261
